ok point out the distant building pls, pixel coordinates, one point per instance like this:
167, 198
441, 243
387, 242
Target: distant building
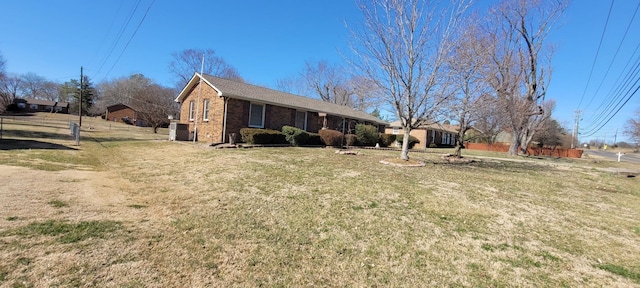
125, 114
440, 135
37, 105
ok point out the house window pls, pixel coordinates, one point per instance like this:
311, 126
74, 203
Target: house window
22, 105
433, 136
256, 115
205, 113
192, 110
301, 120
396, 130
33, 106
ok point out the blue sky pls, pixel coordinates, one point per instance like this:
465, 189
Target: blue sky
271, 40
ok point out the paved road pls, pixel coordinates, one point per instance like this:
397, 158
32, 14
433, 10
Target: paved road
629, 157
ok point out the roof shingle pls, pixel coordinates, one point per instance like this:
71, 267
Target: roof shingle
244, 91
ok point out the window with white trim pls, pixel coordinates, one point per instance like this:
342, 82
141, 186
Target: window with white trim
396, 130
301, 120
256, 115
205, 113
192, 110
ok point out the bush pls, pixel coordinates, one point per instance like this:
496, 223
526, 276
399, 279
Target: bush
412, 140
331, 137
315, 140
295, 136
262, 136
367, 134
387, 139
351, 139
433, 145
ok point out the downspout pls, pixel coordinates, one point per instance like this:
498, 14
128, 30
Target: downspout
224, 118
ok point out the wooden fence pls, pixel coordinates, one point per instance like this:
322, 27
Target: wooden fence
536, 151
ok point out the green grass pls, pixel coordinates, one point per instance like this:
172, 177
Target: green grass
57, 203
622, 271
65, 232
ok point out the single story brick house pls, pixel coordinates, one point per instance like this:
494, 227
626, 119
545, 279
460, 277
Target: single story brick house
37, 105
125, 114
221, 107
442, 135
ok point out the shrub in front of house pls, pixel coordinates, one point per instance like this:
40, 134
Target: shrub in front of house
351, 140
367, 134
331, 137
295, 136
387, 139
412, 140
262, 136
315, 140
433, 145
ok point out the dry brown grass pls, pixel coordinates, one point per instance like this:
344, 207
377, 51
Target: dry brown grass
188, 215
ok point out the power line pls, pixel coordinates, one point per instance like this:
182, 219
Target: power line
618, 95
131, 38
615, 55
113, 46
597, 53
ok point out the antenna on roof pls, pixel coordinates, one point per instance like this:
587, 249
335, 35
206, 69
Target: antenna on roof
195, 124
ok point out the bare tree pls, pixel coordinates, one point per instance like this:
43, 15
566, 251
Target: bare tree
632, 128
466, 64
189, 61
32, 85
3, 67
10, 89
328, 82
50, 90
520, 63
154, 102
402, 47
332, 83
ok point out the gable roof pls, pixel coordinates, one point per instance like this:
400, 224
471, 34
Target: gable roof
119, 106
46, 102
249, 92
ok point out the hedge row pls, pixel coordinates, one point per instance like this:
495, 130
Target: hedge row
262, 136
289, 135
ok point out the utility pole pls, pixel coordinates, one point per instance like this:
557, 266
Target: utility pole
575, 130
615, 138
80, 98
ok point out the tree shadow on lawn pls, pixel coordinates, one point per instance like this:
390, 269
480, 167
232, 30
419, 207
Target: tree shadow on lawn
35, 134
15, 144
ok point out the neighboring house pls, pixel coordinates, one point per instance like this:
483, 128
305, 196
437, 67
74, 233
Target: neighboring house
37, 105
220, 107
442, 135
125, 114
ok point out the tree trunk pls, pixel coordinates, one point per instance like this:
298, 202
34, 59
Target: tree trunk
458, 151
404, 155
155, 128
515, 143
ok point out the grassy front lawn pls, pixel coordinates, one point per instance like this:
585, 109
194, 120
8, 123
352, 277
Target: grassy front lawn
127, 208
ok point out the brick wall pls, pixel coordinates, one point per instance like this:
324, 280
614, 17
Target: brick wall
118, 114
208, 130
